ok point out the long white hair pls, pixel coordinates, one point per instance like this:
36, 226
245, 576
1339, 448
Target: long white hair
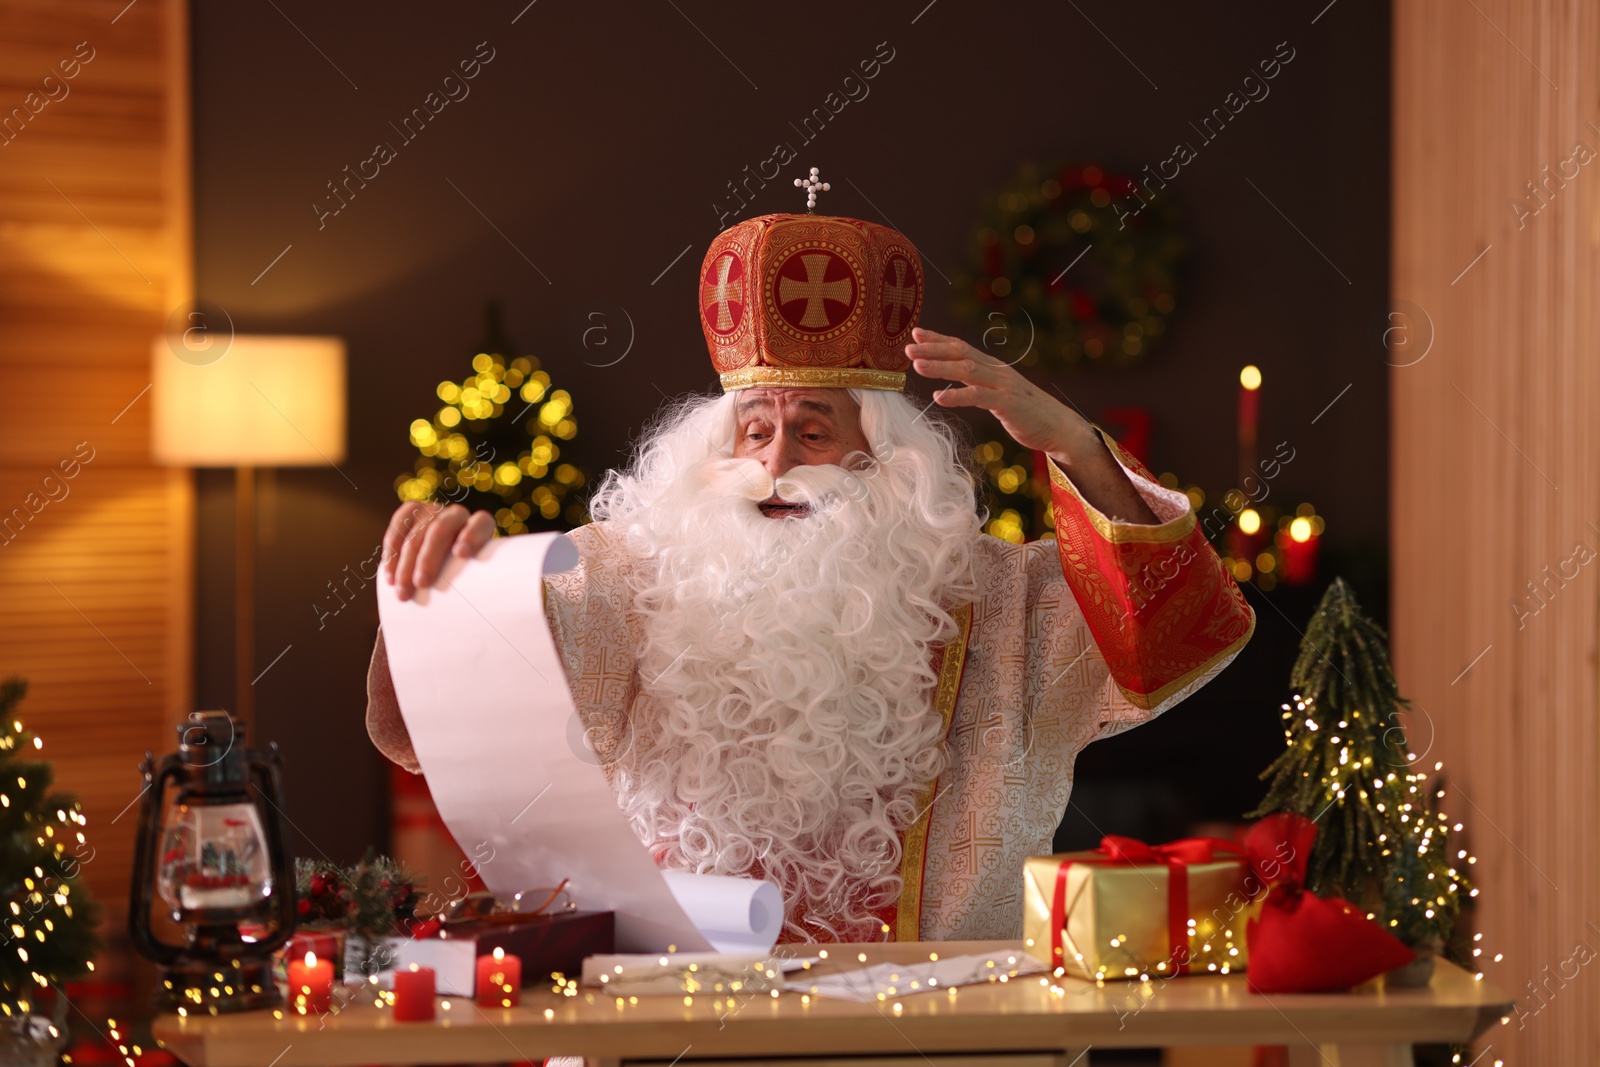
785, 725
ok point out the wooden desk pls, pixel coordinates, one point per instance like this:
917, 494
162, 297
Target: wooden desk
1018, 1024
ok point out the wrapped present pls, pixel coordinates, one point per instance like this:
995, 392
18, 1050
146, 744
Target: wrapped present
1128, 908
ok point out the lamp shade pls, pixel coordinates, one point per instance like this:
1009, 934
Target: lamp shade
268, 401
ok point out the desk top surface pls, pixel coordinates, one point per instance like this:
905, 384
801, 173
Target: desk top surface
1020, 1015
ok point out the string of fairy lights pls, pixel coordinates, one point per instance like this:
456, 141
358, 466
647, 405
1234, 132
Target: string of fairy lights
45, 895
1404, 792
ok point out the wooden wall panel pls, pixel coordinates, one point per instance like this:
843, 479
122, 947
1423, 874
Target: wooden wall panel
1495, 434
82, 583
94, 253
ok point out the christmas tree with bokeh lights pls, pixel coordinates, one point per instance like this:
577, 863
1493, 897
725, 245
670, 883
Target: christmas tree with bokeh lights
1382, 843
498, 442
48, 935
1015, 487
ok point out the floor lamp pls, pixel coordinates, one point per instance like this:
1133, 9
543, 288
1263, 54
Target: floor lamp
264, 401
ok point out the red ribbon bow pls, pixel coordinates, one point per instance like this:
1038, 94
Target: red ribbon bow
1279, 847
1131, 852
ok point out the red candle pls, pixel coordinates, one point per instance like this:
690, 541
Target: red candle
1249, 412
1249, 403
311, 984
499, 980
1298, 546
413, 994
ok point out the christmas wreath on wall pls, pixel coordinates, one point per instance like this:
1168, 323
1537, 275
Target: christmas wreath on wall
1073, 265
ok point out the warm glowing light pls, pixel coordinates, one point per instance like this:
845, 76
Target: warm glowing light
1250, 377
1299, 529
1250, 521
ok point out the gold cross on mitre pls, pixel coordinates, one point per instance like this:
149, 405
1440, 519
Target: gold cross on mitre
812, 185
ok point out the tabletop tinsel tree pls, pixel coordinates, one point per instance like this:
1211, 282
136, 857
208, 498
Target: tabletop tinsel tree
1381, 843
49, 934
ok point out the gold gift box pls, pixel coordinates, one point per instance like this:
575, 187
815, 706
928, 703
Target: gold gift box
1116, 919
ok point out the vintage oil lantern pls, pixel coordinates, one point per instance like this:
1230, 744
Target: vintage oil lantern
215, 859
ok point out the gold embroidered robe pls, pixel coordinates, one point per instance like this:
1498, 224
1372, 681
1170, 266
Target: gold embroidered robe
1070, 640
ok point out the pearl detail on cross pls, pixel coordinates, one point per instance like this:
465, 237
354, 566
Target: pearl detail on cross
812, 185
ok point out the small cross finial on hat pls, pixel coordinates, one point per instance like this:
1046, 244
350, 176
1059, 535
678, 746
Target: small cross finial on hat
812, 185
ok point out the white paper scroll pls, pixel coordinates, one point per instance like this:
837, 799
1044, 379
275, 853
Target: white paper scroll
485, 700
737, 915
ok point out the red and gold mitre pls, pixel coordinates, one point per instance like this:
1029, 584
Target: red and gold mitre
810, 300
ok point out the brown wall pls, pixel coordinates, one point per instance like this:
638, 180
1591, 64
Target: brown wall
94, 253
595, 143
1495, 446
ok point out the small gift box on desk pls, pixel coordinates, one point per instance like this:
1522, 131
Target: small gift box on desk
544, 939
545, 945
1128, 908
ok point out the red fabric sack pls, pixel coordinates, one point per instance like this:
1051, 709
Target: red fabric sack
1303, 943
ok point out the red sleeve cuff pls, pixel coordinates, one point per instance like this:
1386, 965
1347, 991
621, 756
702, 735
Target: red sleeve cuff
1156, 598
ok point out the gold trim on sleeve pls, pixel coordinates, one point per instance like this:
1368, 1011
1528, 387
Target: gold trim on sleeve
914, 851
814, 377
1114, 530
1146, 701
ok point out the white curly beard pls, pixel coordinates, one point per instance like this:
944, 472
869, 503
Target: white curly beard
788, 729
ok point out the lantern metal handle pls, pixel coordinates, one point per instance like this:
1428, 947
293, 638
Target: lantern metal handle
155, 779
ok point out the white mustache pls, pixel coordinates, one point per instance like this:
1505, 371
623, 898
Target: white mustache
742, 479
815, 485
819, 485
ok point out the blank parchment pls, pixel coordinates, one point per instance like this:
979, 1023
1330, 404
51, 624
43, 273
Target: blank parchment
485, 699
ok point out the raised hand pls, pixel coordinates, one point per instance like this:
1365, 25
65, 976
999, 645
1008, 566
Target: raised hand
1032, 417
419, 537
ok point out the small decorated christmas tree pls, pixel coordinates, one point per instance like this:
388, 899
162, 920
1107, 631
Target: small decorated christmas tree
498, 443
1382, 845
48, 934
